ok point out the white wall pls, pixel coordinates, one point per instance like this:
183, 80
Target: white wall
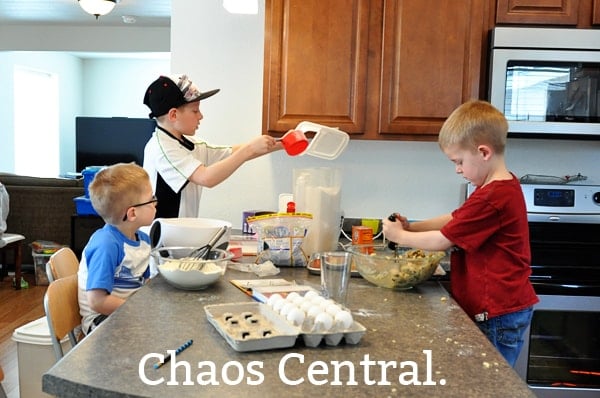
102, 87
218, 49
116, 86
69, 71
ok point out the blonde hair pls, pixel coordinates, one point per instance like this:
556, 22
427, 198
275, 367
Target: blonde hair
472, 124
117, 187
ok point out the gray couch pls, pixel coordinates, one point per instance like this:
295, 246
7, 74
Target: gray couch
41, 208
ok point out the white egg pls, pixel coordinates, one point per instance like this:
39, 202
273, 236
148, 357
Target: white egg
343, 319
310, 294
278, 304
292, 296
314, 311
296, 316
333, 309
298, 301
273, 299
305, 306
286, 309
323, 322
326, 303
317, 299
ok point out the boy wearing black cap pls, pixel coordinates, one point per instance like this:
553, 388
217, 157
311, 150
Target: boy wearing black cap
180, 165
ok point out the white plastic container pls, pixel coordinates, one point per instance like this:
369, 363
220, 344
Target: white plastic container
35, 355
328, 142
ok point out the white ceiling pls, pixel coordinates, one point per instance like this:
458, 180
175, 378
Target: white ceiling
68, 12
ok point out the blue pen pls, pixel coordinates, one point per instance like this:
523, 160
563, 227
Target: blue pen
177, 351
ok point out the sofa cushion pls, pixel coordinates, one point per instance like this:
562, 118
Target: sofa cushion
28, 181
40, 208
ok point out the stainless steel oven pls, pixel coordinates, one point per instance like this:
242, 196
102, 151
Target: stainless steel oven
561, 355
546, 81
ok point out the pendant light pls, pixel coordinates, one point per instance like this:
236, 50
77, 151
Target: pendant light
97, 7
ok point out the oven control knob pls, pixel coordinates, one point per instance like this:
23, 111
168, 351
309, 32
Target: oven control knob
596, 198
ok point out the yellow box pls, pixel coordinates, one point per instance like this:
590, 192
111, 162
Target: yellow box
371, 222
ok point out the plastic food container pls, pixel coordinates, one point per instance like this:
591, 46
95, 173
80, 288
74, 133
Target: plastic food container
328, 143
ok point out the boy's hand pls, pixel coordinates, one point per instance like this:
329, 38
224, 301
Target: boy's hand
399, 217
261, 145
393, 226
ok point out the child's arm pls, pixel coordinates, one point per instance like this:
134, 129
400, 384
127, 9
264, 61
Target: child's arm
103, 302
214, 174
420, 234
432, 224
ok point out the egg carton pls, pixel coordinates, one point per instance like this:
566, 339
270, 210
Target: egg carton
256, 327
352, 335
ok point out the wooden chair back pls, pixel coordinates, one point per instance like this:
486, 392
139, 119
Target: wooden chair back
62, 263
62, 311
2, 392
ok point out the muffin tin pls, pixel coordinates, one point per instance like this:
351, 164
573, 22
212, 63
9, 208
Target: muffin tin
256, 326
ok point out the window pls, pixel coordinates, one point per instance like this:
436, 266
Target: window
36, 123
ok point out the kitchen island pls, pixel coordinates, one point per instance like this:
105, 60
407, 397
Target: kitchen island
418, 343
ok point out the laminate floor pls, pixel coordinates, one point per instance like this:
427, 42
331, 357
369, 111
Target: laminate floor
17, 308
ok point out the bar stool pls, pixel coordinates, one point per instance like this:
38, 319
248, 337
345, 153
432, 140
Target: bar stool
12, 242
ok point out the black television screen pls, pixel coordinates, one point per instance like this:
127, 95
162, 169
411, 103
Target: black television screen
101, 141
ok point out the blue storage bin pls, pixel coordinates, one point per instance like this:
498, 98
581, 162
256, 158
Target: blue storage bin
88, 176
84, 206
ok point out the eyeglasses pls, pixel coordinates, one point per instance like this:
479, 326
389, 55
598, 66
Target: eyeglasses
153, 200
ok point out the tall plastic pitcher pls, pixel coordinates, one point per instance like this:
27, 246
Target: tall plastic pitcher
318, 191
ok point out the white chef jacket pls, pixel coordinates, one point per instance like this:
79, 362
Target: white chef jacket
170, 162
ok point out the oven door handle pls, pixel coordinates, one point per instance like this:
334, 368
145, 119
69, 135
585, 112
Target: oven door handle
566, 289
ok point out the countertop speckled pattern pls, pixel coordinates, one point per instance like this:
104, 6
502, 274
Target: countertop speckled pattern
419, 343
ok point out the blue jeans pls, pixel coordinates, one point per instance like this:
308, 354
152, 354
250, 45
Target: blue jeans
506, 332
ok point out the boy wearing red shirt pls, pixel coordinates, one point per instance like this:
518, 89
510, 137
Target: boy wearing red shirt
491, 266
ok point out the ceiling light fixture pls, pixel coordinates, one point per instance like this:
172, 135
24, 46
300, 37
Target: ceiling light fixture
97, 7
241, 6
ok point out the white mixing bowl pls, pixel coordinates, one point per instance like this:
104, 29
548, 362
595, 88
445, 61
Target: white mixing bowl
189, 231
190, 274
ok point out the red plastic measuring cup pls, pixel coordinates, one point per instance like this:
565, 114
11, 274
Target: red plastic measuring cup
294, 142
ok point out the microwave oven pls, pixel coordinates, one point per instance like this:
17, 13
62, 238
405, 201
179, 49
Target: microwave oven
546, 81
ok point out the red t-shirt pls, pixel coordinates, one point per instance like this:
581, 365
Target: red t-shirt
490, 271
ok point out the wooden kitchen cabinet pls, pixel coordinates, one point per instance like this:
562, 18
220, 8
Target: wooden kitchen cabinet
575, 13
378, 69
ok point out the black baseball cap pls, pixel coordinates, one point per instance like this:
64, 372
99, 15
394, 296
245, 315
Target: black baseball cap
168, 92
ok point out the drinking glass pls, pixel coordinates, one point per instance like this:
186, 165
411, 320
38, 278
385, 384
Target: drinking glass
335, 275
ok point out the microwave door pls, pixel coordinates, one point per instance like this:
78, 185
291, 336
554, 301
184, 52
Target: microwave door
546, 92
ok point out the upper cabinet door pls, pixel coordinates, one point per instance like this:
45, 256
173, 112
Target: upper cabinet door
432, 62
315, 63
547, 12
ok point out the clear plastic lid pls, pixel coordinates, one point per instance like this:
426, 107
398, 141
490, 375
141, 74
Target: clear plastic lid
328, 142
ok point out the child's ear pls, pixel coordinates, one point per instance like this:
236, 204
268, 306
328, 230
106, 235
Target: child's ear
172, 114
485, 151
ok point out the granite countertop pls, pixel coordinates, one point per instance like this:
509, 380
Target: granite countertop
418, 343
